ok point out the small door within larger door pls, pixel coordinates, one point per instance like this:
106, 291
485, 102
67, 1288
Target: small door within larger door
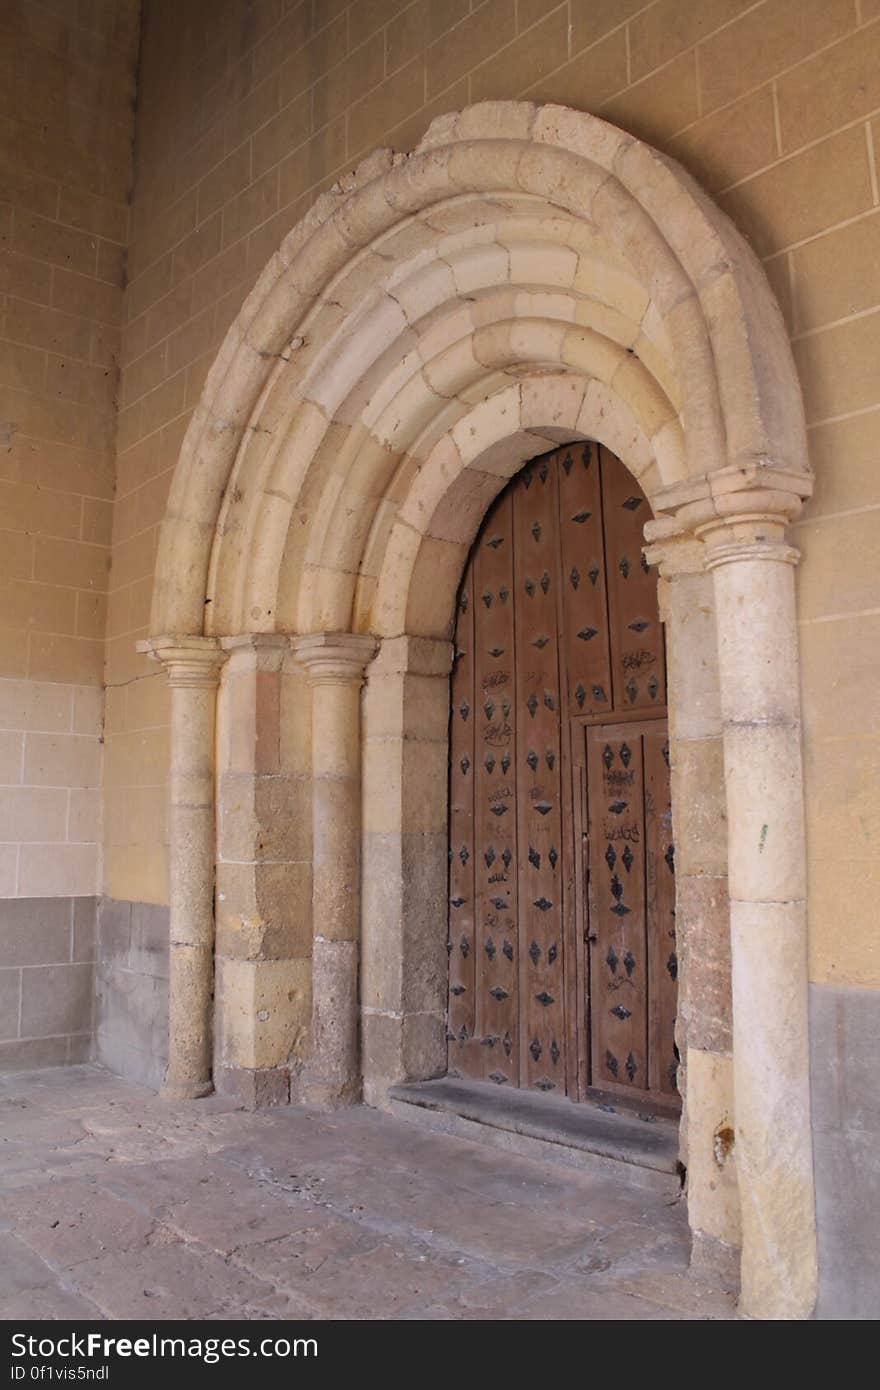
633, 967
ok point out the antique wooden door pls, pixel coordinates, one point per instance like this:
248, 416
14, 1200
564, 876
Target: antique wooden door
562, 966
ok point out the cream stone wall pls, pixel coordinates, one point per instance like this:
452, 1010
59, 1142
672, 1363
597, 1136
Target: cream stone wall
50, 793
66, 114
247, 111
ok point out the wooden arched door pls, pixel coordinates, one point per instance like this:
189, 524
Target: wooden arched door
562, 964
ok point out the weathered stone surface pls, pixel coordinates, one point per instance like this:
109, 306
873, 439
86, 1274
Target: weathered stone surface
264, 911
175, 1282
68, 1223
295, 1214
34, 931
148, 953
263, 1008
48, 1305
699, 809
845, 1038
713, 1195
114, 930
57, 999
131, 1015
47, 980
85, 928
20, 1267
254, 1087
702, 933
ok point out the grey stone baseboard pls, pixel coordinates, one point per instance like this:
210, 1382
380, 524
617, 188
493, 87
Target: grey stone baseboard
131, 1028
844, 1047
47, 981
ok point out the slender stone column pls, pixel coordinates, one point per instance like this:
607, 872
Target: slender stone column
335, 664
262, 1005
702, 914
405, 966
753, 572
193, 666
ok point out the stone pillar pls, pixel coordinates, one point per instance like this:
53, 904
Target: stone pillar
264, 871
753, 572
405, 874
704, 1023
193, 666
335, 664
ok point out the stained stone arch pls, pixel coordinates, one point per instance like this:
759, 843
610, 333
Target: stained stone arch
528, 276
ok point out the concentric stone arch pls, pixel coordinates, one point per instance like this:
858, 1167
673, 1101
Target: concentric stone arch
513, 235
528, 276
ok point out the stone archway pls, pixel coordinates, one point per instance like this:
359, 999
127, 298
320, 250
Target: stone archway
528, 276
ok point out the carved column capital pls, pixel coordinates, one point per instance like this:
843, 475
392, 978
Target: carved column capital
738, 513
673, 550
757, 547
330, 658
748, 526
191, 662
261, 651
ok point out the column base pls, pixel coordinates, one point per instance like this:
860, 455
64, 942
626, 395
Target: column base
186, 1090
714, 1261
331, 1078
323, 1094
327, 1097
257, 1088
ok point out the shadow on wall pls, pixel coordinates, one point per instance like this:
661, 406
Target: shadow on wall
131, 1024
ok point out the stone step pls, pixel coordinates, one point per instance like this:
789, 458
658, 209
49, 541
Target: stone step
597, 1138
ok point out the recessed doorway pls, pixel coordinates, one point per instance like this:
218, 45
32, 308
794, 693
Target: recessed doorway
562, 960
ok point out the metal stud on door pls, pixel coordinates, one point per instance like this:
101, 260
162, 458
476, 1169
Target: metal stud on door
460, 942
617, 907
539, 799
495, 800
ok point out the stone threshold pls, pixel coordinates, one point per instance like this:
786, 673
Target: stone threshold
590, 1135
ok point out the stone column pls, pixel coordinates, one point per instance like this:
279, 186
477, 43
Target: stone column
699, 811
335, 664
193, 666
405, 970
753, 572
264, 871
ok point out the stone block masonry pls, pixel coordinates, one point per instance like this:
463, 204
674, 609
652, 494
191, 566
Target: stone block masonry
50, 797
67, 74
131, 1009
239, 135
47, 981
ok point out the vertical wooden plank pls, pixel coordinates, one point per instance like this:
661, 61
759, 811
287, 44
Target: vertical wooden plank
638, 666
495, 814
581, 907
563, 466
660, 908
541, 939
463, 1059
583, 579
618, 964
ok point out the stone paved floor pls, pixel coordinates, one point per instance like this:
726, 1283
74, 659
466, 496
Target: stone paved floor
116, 1204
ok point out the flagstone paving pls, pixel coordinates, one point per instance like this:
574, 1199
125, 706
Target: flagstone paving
117, 1204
